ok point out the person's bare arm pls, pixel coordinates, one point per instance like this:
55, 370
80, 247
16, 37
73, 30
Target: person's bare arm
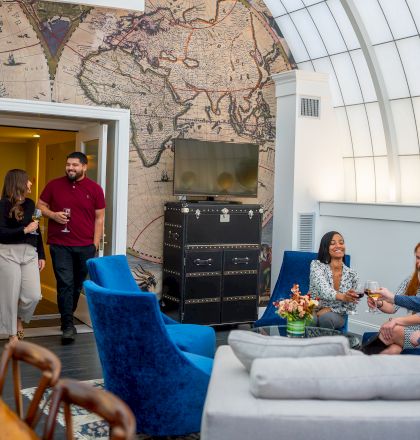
59, 217
99, 226
383, 306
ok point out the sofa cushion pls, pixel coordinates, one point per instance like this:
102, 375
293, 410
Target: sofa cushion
337, 378
250, 345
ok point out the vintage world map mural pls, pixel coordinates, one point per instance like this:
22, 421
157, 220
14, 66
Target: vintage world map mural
194, 69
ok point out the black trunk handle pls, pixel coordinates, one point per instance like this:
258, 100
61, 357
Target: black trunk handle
237, 260
207, 262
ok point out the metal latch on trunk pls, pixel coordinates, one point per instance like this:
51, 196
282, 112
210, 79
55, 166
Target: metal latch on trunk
225, 216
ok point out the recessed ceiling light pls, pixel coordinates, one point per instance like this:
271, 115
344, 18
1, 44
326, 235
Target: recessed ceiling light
36, 135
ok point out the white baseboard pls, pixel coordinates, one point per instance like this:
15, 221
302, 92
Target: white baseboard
359, 327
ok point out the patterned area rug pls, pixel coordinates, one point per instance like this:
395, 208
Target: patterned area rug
89, 426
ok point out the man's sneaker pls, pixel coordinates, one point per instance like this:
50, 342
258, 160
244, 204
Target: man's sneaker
69, 335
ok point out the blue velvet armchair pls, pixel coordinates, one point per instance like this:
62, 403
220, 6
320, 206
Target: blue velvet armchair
295, 269
113, 272
164, 386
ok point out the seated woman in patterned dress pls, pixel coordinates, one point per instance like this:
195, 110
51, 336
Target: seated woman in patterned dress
333, 282
396, 332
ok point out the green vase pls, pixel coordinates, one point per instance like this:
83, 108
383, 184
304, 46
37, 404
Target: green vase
296, 329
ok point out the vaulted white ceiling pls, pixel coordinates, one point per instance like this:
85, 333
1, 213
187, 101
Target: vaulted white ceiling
371, 50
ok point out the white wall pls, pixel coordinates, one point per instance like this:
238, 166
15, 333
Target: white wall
308, 168
308, 163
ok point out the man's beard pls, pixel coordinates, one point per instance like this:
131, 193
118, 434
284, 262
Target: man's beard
74, 177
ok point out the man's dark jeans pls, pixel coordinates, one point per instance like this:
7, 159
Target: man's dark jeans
69, 264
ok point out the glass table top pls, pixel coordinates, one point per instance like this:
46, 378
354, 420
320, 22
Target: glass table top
310, 332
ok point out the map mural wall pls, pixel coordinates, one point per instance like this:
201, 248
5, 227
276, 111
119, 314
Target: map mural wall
194, 69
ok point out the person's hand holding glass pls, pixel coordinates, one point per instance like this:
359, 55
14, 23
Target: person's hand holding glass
371, 288
35, 217
358, 292
67, 212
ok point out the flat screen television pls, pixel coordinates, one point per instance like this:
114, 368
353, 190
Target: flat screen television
206, 168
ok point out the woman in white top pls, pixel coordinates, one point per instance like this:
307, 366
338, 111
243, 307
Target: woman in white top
333, 282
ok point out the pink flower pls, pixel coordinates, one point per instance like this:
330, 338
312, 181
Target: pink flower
298, 306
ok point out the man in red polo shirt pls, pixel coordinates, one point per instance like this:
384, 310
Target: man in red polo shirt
75, 208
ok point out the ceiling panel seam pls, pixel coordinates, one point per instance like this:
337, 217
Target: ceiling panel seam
382, 95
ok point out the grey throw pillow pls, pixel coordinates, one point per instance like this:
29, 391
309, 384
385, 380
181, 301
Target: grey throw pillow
337, 378
248, 346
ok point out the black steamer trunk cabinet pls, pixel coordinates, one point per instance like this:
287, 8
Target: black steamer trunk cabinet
211, 258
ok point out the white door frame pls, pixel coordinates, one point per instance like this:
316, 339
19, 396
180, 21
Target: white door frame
24, 109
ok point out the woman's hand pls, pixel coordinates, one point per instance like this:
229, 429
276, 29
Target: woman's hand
349, 296
386, 295
32, 227
387, 330
41, 264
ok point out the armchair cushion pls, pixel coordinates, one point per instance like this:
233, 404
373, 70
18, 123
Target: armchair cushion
193, 338
337, 378
248, 346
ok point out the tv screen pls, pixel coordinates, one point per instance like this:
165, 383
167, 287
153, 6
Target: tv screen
205, 168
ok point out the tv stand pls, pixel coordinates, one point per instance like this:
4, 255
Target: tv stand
211, 260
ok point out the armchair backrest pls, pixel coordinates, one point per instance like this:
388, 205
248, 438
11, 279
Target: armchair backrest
295, 269
112, 272
164, 387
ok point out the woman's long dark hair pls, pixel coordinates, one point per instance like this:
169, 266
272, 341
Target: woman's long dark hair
15, 188
324, 247
414, 283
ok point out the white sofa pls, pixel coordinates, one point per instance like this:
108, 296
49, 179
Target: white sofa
233, 412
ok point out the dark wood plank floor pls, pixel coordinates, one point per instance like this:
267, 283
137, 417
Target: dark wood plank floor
79, 361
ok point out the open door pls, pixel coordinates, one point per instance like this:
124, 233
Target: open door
93, 142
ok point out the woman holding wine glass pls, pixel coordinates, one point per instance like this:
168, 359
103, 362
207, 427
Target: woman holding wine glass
22, 255
333, 282
394, 334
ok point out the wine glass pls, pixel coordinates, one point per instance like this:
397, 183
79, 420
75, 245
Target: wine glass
37, 214
371, 286
359, 291
66, 211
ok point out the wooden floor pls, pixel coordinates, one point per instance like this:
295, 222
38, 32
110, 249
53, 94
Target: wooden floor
79, 361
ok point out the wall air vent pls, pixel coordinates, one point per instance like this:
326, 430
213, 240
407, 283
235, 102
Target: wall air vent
309, 107
306, 231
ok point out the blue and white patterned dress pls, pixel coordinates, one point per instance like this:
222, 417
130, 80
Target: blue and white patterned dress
321, 285
409, 329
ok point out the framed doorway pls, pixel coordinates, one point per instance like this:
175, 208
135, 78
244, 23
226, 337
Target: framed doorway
114, 158
57, 116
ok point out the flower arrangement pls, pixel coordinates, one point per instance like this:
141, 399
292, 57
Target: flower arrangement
297, 307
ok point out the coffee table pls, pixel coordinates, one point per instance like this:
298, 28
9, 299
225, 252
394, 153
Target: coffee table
310, 332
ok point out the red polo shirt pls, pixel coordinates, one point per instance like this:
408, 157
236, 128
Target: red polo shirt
83, 197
